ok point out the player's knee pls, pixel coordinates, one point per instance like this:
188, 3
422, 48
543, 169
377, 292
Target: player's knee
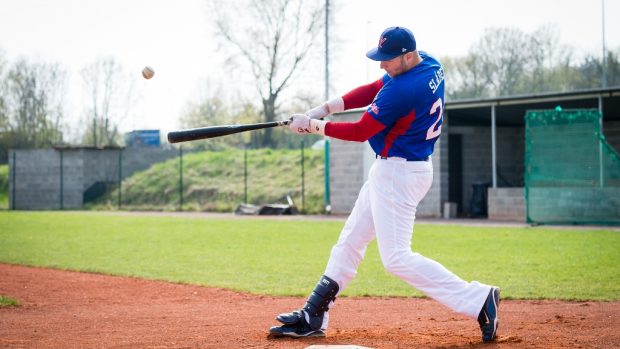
351, 245
347, 251
396, 263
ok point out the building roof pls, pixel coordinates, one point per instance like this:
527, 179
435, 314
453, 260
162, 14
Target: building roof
510, 110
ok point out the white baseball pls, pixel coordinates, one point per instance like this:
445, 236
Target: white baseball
148, 72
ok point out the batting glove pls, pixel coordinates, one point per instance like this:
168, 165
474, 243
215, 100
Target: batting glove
302, 124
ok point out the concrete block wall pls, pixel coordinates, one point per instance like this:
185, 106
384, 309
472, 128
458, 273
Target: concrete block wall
100, 166
72, 180
35, 187
40, 183
431, 205
441, 174
346, 169
507, 204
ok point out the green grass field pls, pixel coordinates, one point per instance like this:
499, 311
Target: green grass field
278, 257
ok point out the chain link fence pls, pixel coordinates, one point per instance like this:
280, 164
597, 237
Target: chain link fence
174, 179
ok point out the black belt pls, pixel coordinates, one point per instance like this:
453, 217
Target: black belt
412, 159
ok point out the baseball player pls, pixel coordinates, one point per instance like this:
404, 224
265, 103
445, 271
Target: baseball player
402, 124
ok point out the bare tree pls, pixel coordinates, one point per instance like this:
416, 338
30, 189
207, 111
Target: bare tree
503, 57
5, 135
274, 38
466, 77
549, 61
111, 98
33, 104
4, 115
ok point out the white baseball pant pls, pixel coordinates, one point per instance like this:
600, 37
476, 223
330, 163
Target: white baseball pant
385, 210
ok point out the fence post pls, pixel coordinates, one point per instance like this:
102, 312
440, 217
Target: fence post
245, 174
120, 177
328, 206
303, 173
601, 169
61, 180
181, 178
14, 172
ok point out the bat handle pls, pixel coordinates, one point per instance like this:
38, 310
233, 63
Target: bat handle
283, 122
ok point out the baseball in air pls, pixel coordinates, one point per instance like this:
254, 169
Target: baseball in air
148, 72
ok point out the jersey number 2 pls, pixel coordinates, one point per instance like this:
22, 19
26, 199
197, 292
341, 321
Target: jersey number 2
432, 132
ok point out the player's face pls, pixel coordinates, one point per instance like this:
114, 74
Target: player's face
394, 66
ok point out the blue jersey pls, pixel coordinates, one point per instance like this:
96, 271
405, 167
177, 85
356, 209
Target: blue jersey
410, 105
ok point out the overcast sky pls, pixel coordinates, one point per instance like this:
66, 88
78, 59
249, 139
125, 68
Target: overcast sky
176, 39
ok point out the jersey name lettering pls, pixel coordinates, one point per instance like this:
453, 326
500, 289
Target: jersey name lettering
437, 80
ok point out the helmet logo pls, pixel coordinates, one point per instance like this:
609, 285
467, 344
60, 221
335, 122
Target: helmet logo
381, 41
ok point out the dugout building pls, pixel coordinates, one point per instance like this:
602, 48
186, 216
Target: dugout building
480, 159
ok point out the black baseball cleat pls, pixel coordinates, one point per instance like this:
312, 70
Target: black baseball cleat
297, 325
290, 318
311, 320
489, 316
294, 331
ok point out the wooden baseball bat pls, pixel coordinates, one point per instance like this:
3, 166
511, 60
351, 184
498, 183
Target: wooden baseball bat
218, 131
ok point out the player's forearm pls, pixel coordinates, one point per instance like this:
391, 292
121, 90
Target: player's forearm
359, 131
335, 105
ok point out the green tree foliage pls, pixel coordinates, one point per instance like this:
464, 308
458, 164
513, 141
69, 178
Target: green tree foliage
590, 71
613, 68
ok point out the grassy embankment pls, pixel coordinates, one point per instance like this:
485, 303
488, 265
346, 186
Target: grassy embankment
214, 181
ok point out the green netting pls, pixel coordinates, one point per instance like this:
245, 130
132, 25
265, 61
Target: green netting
572, 175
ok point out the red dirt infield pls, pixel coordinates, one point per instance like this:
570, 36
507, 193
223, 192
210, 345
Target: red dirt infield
63, 309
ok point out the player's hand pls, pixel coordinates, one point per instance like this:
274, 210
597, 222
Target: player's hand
300, 124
